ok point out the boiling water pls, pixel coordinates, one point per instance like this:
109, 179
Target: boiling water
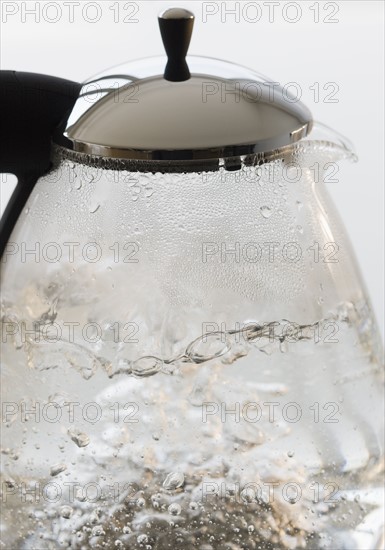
212, 402
262, 436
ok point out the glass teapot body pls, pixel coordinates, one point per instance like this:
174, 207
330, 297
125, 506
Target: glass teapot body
189, 358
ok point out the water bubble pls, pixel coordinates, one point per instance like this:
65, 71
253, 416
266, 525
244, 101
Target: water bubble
266, 211
10, 483
193, 505
142, 539
57, 469
98, 531
197, 395
290, 454
208, 346
173, 481
141, 503
127, 530
80, 495
250, 528
146, 366
155, 437
80, 438
247, 495
174, 509
66, 512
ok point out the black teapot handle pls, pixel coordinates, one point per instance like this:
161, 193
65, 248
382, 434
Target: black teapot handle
32, 108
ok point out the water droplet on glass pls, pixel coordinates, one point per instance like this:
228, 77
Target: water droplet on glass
173, 481
127, 530
266, 211
290, 454
57, 469
142, 539
27, 210
80, 438
146, 366
174, 509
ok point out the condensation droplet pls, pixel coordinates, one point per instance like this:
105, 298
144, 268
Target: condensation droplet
266, 211
94, 208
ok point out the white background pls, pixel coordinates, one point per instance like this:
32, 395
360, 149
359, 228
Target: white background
347, 53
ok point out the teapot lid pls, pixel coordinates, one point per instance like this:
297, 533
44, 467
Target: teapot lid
179, 109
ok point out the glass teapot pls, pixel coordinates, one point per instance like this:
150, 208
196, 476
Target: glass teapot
190, 358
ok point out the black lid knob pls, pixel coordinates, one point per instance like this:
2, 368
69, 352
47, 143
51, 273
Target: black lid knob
176, 25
